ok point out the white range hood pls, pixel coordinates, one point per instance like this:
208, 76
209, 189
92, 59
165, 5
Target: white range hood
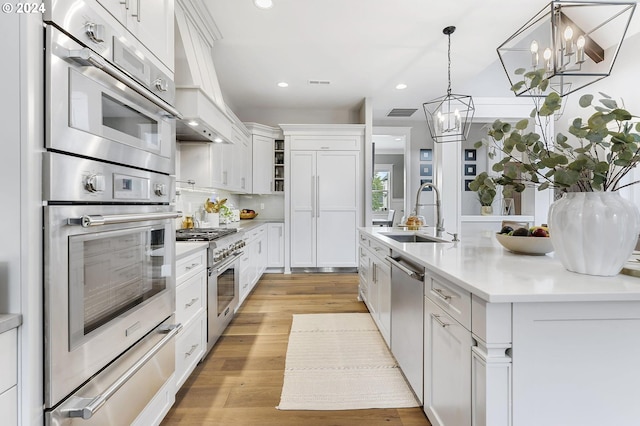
198, 94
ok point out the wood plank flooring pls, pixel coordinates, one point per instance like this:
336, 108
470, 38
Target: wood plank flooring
239, 382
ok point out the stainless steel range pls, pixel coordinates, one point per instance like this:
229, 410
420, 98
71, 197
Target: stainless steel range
223, 283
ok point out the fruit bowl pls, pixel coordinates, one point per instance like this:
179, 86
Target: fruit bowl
244, 216
525, 245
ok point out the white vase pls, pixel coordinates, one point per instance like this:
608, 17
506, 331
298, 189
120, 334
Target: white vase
593, 233
486, 210
213, 219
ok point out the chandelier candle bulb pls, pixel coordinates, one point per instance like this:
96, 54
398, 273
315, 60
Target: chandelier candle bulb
547, 59
534, 54
580, 42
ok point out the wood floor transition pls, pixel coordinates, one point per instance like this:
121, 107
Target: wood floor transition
239, 382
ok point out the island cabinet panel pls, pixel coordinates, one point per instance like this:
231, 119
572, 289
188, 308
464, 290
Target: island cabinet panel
447, 367
574, 360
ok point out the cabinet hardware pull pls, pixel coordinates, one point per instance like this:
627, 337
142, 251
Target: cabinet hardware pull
194, 300
439, 321
193, 265
193, 348
440, 293
137, 14
318, 196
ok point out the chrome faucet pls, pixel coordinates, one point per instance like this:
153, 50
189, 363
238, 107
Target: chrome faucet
439, 220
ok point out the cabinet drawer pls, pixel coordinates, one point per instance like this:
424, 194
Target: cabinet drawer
379, 249
8, 359
9, 406
190, 298
190, 265
328, 143
189, 349
450, 297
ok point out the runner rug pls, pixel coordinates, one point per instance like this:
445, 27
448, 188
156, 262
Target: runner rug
340, 362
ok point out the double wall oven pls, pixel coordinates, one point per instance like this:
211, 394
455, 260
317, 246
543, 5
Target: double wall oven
109, 220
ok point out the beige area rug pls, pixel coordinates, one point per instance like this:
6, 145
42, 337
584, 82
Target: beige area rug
340, 362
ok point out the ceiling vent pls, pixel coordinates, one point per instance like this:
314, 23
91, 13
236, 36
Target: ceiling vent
402, 112
319, 82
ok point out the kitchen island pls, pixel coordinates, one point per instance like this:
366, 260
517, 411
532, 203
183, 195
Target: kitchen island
518, 340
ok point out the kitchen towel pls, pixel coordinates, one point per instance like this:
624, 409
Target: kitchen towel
341, 362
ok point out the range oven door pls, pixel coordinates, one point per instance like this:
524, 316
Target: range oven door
222, 297
109, 281
97, 110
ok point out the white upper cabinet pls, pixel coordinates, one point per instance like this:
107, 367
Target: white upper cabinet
150, 21
263, 140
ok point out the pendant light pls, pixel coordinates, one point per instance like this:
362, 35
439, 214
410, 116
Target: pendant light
449, 117
572, 43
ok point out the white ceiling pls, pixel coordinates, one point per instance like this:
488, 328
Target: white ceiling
364, 48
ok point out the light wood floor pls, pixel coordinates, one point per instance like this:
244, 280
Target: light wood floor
239, 382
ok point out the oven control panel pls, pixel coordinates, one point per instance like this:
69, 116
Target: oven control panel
227, 250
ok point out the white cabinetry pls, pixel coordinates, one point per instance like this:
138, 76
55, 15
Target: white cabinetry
9, 377
375, 283
150, 21
263, 138
322, 197
447, 367
191, 312
254, 260
275, 250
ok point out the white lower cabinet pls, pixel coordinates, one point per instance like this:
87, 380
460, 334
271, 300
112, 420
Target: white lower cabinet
375, 283
191, 312
447, 367
275, 241
159, 406
9, 377
253, 262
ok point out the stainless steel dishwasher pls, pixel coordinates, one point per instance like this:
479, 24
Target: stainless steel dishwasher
407, 320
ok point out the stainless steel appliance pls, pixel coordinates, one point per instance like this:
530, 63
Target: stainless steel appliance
223, 284
407, 320
115, 107
109, 229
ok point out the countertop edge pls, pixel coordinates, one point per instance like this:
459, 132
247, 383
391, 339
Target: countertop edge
10, 321
616, 293
185, 248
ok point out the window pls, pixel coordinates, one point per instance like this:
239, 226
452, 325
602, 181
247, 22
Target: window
381, 187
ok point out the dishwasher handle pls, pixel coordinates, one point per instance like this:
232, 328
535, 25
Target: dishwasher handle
397, 262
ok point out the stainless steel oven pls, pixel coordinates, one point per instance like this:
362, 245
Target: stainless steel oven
109, 267
114, 110
223, 283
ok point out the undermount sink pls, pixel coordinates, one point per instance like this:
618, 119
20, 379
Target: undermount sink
412, 238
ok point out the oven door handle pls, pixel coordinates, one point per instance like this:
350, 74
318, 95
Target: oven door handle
98, 220
229, 262
86, 57
94, 404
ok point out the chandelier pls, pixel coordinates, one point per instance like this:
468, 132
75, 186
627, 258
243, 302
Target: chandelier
449, 117
571, 44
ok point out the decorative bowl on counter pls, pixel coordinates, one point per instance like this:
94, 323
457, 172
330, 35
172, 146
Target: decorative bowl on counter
525, 245
247, 215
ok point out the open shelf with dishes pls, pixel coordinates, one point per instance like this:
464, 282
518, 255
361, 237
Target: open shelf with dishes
278, 165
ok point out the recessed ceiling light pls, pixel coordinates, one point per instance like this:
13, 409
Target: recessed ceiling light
193, 123
283, 84
217, 140
401, 86
263, 4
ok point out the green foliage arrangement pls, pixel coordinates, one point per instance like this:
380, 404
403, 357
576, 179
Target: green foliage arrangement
485, 187
605, 146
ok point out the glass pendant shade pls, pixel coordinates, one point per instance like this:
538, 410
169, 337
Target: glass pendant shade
575, 43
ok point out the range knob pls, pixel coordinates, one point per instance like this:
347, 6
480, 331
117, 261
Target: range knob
217, 257
94, 183
160, 189
161, 84
94, 31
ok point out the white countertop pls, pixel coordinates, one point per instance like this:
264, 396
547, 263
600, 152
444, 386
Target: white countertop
9, 321
185, 248
482, 266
